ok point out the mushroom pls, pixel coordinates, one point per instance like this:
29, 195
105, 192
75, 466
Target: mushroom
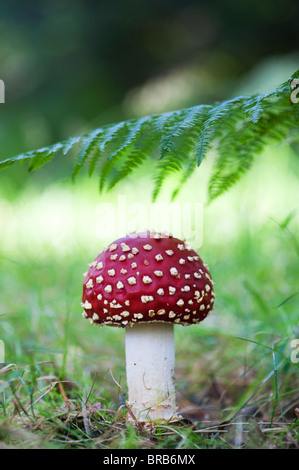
147, 282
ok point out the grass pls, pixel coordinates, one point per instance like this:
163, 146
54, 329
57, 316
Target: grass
63, 381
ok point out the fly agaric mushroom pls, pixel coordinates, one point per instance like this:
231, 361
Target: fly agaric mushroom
147, 282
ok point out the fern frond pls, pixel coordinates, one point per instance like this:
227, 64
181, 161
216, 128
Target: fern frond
238, 130
236, 156
229, 169
127, 146
186, 174
170, 163
33, 155
70, 143
87, 149
144, 149
178, 135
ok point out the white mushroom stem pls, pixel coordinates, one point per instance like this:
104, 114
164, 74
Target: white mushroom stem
150, 361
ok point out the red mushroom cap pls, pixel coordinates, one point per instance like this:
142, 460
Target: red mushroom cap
147, 277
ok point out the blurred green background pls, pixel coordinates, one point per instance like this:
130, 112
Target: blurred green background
72, 66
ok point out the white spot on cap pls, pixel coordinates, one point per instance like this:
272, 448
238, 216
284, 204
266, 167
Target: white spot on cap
116, 317
207, 287
146, 298
114, 305
160, 291
185, 289
89, 284
95, 316
99, 279
181, 247
171, 290
99, 296
135, 250
202, 307
196, 294
84, 314
134, 265
127, 302
190, 258
187, 276
130, 256
151, 313
159, 257
174, 271
132, 280
147, 247
147, 280
171, 314
197, 275
125, 313
125, 247
180, 302
158, 273
169, 252
108, 288
167, 234
122, 258
113, 257
123, 271
111, 272
120, 285
139, 316
100, 265
161, 312
182, 261
113, 247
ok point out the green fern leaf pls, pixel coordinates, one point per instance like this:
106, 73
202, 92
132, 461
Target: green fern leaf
127, 146
70, 143
238, 129
144, 149
87, 149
